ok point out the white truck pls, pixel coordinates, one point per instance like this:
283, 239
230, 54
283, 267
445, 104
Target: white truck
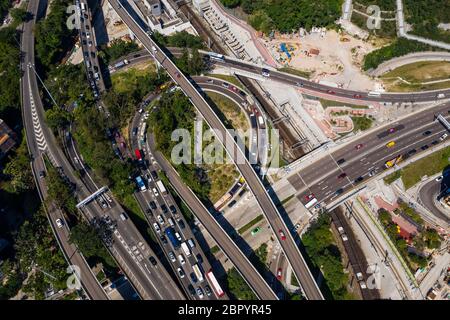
186, 249
161, 187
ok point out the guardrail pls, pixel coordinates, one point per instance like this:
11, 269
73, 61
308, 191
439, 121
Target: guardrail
155, 46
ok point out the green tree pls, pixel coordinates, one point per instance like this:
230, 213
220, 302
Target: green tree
60, 192
86, 238
18, 170
431, 238
238, 287
19, 15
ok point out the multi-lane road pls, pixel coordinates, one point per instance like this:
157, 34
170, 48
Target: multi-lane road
89, 47
162, 213
352, 165
314, 87
268, 207
149, 283
37, 145
429, 195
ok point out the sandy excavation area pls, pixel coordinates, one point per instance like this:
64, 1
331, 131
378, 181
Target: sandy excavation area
328, 57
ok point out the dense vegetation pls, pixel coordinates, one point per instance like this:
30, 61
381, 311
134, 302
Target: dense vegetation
181, 39
53, 38
35, 249
324, 253
399, 47
237, 286
116, 49
4, 6
427, 238
425, 16
385, 5
91, 125
60, 192
289, 15
10, 75
174, 111
86, 238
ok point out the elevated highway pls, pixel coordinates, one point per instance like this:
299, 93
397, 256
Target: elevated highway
269, 209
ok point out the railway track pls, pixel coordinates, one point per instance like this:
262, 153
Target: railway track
380, 249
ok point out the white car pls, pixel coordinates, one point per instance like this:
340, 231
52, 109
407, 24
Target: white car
160, 219
59, 223
155, 192
178, 236
439, 178
181, 273
181, 259
171, 256
157, 228
442, 138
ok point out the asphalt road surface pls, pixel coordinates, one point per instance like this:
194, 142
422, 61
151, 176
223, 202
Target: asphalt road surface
41, 140
366, 156
430, 192
36, 146
279, 227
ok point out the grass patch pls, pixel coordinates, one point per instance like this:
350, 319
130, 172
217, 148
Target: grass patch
395, 85
230, 79
125, 81
222, 178
421, 71
393, 176
361, 123
294, 281
430, 165
231, 111
250, 224
330, 103
296, 72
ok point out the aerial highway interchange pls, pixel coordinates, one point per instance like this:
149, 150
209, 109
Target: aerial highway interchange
174, 264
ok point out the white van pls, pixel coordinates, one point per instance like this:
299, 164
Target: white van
181, 259
191, 243
171, 222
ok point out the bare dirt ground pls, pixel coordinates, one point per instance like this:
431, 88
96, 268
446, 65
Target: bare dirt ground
338, 61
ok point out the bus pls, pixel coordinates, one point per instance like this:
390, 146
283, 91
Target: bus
140, 183
170, 233
216, 56
161, 187
198, 272
215, 284
374, 94
311, 202
138, 154
185, 248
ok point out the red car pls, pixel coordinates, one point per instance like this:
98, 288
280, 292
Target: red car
331, 92
357, 96
391, 130
359, 146
342, 175
279, 271
177, 74
234, 89
309, 197
282, 235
